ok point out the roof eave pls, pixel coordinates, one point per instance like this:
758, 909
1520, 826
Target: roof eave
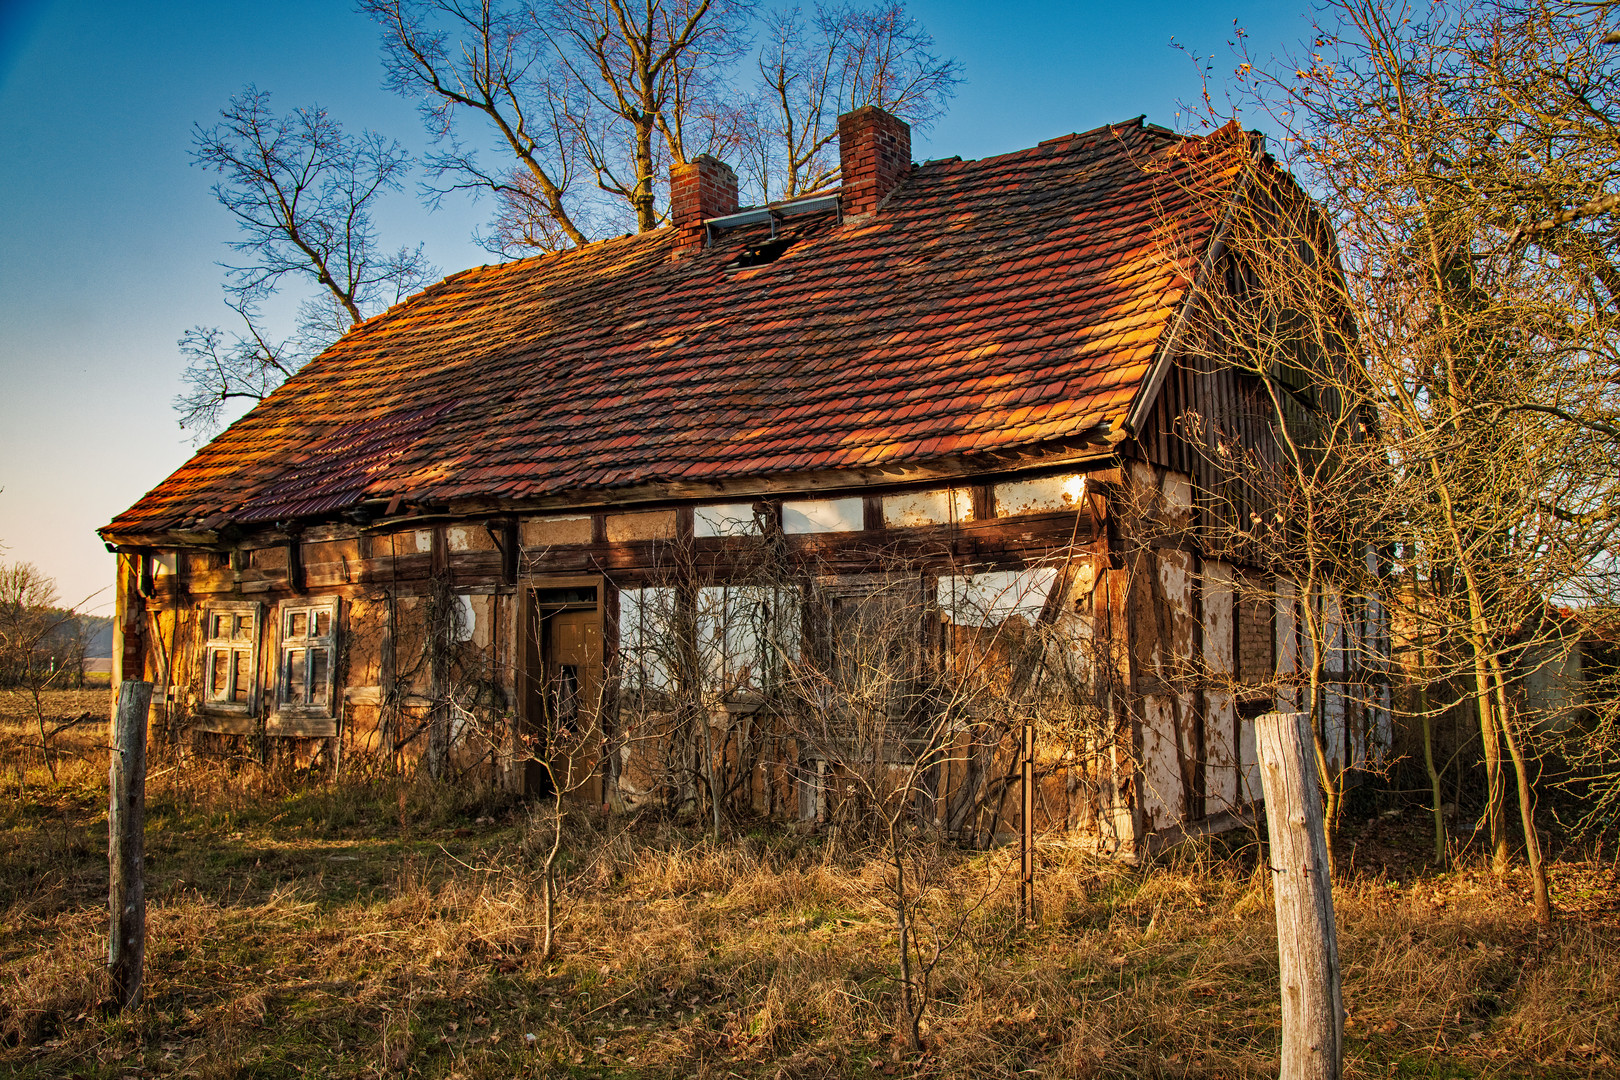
1094, 448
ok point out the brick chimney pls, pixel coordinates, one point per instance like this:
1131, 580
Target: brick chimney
703, 188
874, 151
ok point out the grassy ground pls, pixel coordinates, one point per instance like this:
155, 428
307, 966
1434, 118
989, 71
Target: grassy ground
382, 927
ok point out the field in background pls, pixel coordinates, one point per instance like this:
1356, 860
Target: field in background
383, 927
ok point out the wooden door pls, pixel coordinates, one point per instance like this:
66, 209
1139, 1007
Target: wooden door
564, 693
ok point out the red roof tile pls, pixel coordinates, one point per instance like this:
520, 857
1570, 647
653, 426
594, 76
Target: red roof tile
1019, 298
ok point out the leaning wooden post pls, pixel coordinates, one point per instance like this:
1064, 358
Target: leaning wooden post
1307, 943
1026, 832
126, 844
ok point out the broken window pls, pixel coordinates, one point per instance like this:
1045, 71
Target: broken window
230, 656
727, 519
747, 634
647, 637
308, 651
1010, 633
822, 515
463, 619
868, 639
991, 598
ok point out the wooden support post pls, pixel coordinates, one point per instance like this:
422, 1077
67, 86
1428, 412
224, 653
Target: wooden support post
1026, 831
129, 625
1307, 942
126, 844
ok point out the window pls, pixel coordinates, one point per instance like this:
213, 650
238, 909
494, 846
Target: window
1041, 496
727, 519
230, 656
308, 651
647, 621
746, 636
991, 597
822, 515
868, 634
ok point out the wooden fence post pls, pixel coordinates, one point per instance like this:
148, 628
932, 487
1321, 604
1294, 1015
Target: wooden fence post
1026, 831
1302, 880
126, 844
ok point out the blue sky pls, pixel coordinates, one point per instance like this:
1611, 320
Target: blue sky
110, 239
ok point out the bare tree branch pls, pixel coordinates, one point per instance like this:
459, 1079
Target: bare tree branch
301, 192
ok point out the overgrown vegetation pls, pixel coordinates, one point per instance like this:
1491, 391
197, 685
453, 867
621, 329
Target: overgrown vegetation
390, 926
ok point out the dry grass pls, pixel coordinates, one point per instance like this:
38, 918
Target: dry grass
385, 928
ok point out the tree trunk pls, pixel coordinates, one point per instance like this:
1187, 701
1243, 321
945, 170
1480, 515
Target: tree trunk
1527, 818
642, 199
1494, 794
39, 715
910, 1006
126, 843
1307, 941
1434, 775
548, 871
1428, 746
1026, 827
1324, 777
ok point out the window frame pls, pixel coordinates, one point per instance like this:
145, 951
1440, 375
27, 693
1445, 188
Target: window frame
213, 645
286, 644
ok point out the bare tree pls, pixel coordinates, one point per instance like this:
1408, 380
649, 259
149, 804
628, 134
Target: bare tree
619, 92
301, 191
652, 81
1465, 154
905, 704
220, 368
607, 88
812, 69
455, 57
41, 646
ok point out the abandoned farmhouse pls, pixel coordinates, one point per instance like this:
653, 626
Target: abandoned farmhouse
715, 513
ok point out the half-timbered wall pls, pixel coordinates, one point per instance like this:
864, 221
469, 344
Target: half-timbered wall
436, 626
430, 618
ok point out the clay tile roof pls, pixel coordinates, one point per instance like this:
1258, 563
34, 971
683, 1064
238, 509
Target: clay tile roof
1020, 298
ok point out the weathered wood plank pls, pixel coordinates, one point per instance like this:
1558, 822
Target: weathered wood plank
126, 844
303, 727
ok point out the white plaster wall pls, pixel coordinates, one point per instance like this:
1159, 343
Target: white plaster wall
1289, 659
1221, 782
1250, 790
1335, 712
1164, 741
1176, 491
1161, 778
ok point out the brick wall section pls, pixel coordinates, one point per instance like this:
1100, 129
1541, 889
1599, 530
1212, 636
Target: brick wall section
874, 152
703, 188
1254, 638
